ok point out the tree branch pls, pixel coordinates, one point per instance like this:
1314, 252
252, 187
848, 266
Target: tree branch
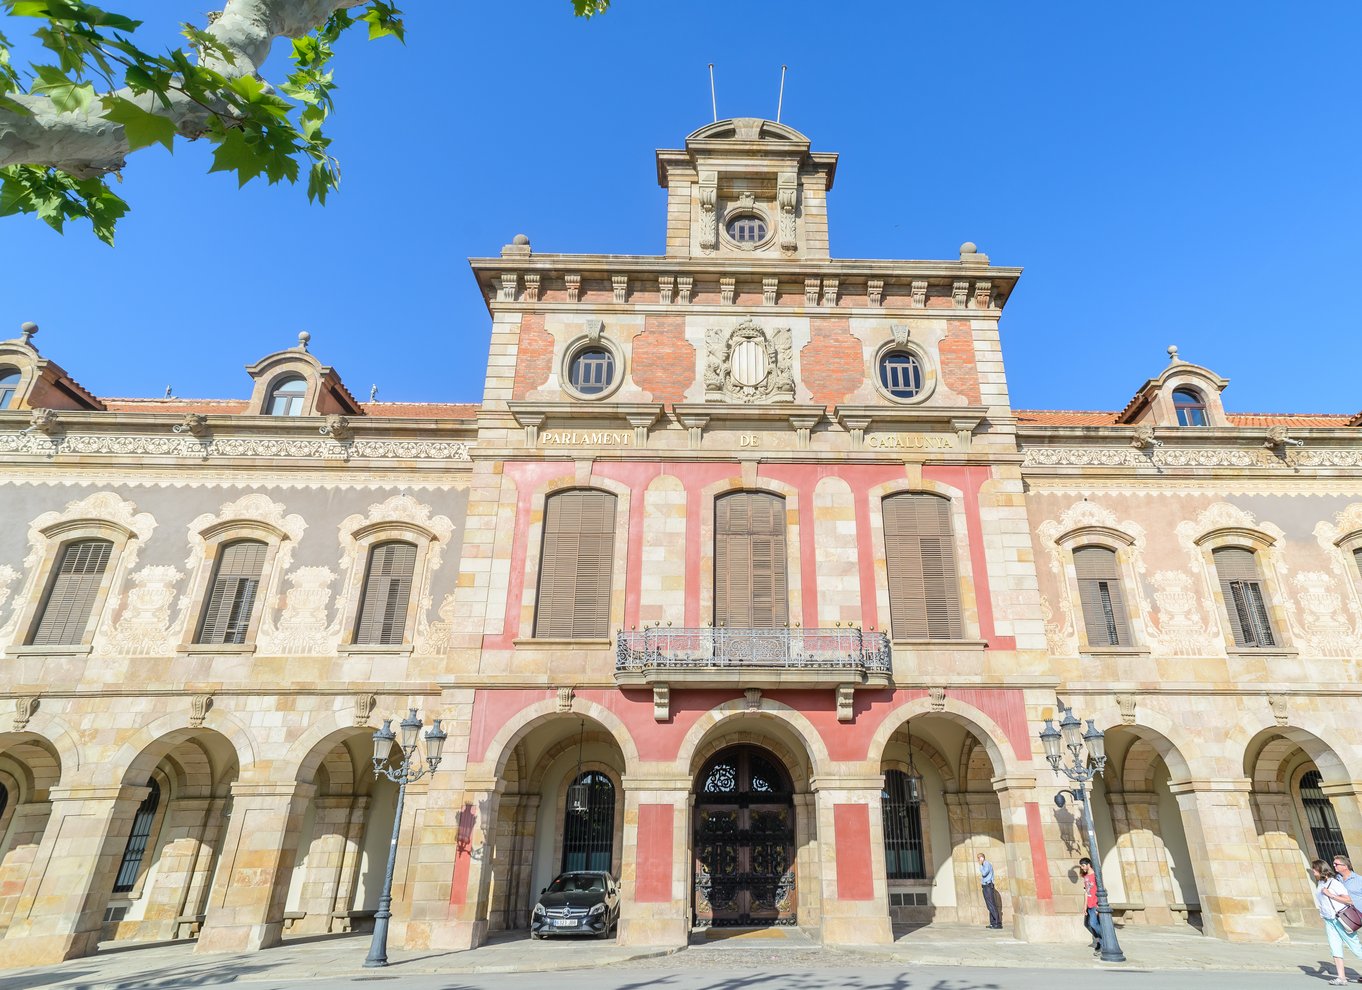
83, 144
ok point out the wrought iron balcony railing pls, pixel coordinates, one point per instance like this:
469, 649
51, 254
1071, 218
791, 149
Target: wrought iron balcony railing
662, 648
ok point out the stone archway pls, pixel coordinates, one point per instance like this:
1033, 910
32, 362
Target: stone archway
29, 769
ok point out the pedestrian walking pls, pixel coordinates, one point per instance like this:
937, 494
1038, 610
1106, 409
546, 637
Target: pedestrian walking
1090, 921
991, 899
1332, 897
1343, 866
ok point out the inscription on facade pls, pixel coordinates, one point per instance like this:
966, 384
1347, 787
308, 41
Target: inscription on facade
586, 438
910, 441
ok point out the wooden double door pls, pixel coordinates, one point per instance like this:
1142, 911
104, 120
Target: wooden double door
744, 841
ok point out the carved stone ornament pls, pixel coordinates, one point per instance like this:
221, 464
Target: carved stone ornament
938, 697
708, 195
565, 699
900, 332
198, 709
787, 198
283, 447
23, 711
594, 329
846, 703
959, 293
683, 287
364, 707
666, 284
749, 364
753, 696
532, 287
662, 702
195, 424
44, 421
619, 285
1278, 705
573, 283
769, 288
874, 291
507, 287
811, 286
920, 293
338, 428
1126, 703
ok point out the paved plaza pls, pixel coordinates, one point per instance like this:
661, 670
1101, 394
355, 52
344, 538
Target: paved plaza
940, 957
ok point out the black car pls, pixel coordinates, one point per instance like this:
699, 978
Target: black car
583, 902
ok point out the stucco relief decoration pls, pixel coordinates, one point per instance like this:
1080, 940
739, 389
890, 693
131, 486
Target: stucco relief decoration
99, 507
1062, 638
143, 627
398, 510
8, 575
787, 196
708, 194
1327, 632
1179, 630
1341, 562
302, 628
286, 448
432, 639
1208, 457
749, 364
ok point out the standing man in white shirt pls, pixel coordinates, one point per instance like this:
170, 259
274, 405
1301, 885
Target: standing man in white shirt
991, 899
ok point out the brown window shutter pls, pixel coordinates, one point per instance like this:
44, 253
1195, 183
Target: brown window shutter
751, 581
382, 617
924, 587
576, 566
232, 593
1101, 597
71, 593
1241, 586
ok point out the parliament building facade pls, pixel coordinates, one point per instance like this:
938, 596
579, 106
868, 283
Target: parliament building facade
744, 581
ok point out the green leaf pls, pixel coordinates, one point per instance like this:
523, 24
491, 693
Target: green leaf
235, 154
589, 8
384, 19
65, 94
141, 127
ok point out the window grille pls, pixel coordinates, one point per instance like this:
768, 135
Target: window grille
589, 834
903, 845
1101, 597
231, 595
751, 587
71, 593
1242, 588
919, 549
1323, 822
382, 619
575, 566
136, 849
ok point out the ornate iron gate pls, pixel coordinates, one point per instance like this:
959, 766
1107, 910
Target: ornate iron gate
744, 841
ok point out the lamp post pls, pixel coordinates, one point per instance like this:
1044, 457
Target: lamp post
406, 771
1081, 769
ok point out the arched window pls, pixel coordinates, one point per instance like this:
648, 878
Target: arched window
9, 387
382, 617
589, 830
575, 566
71, 593
286, 398
1099, 592
919, 551
1319, 815
231, 596
136, 850
750, 580
1190, 407
901, 801
1241, 585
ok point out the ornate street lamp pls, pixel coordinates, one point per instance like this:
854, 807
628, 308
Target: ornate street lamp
1081, 769
408, 769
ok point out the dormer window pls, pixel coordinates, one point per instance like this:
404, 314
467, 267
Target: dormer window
747, 228
9, 387
287, 396
1190, 407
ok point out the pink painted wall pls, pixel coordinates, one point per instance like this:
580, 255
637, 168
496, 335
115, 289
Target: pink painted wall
851, 827
653, 876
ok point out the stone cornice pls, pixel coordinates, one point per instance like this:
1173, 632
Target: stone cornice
954, 418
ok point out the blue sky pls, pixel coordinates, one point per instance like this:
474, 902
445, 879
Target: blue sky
1166, 173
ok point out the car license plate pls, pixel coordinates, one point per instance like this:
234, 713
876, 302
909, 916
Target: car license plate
564, 922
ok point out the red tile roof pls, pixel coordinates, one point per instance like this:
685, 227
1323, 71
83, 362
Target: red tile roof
422, 410
236, 407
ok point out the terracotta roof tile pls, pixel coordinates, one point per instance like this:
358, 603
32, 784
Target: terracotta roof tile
222, 407
422, 410
1326, 420
1065, 417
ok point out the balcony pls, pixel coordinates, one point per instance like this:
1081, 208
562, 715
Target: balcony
761, 658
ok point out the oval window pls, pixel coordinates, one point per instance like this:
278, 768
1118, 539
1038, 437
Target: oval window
901, 374
592, 370
747, 228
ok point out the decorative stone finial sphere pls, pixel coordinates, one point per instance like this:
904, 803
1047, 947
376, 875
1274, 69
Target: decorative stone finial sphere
969, 247
28, 328
1173, 351
521, 239
303, 338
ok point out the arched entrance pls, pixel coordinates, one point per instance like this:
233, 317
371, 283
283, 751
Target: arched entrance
29, 769
744, 841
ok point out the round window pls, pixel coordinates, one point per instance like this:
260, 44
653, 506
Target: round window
592, 370
901, 374
747, 228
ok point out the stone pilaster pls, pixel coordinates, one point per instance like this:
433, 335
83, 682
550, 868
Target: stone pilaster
181, 836
246, 906
1227, 860
851, 834
323, 894
60, 912
25, 830
656, 870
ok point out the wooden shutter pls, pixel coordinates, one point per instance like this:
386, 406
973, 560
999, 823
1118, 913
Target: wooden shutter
231, 596
924, 589
1241, 586
387, 593
751, 582
72, 592
575, 566
1101, 597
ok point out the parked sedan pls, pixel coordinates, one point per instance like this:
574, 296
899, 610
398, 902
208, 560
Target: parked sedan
577, 903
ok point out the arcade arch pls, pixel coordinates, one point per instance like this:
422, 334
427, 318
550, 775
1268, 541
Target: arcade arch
29, 769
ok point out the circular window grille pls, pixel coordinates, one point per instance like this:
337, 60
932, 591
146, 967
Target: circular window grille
901, 374
592, 370
747, 228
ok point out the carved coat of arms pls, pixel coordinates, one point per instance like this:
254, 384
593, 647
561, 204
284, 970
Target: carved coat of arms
749, 364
